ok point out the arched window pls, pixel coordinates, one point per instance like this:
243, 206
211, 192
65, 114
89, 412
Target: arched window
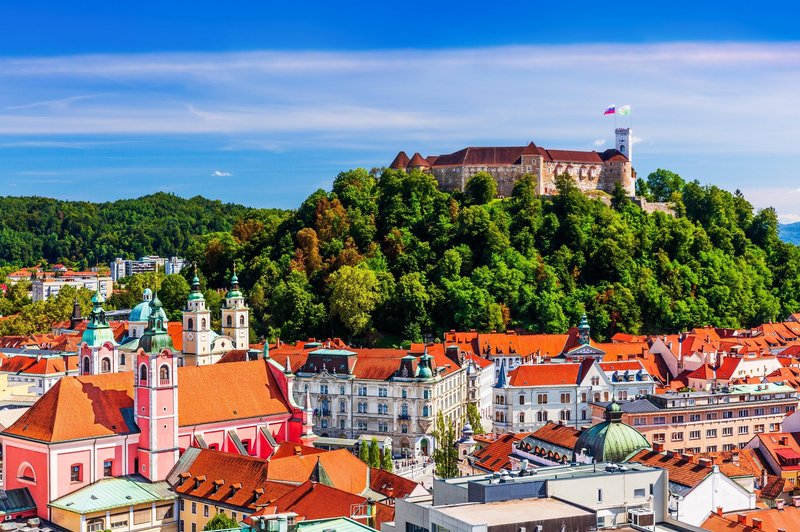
425, 411
229, 321
86, 365
241, 320
203, 324
342, 406
122, 359
404, 410
105, 365
26, 473
583, 415
143, 373
163, 373
522, 417
190, 324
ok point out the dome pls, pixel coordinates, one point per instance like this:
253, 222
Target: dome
141, 312
95, 337
612, 440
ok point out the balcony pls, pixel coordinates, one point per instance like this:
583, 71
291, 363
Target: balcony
404, 417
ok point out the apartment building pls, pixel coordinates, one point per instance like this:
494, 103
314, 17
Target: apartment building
695, 422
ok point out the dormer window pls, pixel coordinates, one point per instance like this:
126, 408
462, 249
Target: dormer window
217, 485
199, 480
183, 477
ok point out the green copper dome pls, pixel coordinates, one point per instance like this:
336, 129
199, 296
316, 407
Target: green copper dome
141, 312
196, 294
233, 291
424, 370
97, 330
612, 440
155, 337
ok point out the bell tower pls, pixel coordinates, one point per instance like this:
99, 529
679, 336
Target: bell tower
236, 316
196, 325
156, 402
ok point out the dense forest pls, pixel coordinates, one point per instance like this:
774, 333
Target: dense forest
395, 257
380, 259
83, 233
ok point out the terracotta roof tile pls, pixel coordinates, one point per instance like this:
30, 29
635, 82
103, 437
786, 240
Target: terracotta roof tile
544, 374
389, 484
560, 435
494, 456
684, 472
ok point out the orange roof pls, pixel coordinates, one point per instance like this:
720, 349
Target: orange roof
286, 448
252, 391
389, 484
783, 448
685, 472
80, 407
614, 349
344, 470
494, 456
560, 435
201, 469
544, 374
53, 366
175, 331
719, 523
771, 519
312, 500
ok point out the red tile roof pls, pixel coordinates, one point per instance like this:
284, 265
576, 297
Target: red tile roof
560, 435
494, 456
82, 407
684, 472
286, 448
771, 519
544, 374
400, 162
418, 161
312, 500
389, 484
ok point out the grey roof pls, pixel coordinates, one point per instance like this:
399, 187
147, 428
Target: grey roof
16, 500
636, 406
116, 492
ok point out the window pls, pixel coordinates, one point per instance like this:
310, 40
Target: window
541, 415
76, 473
774, 427
639, 492
638, 421
727, 431
565, 398
383, 426
342, 406
26, 473
341, 424
190, 324
541, 398
203, 324
659, 420
676, 436
758, 429
122, 359
711, 433
677, 419
522, 417
743, 412
711, 416
341, 390
404, 428
659, 437
143, 373
97, 524
599, 495
194, 507
241, 321
163, 374
728, 447
775, 410
426, 394
711, 449
229, 321
323, 388
404, 394
107, 468
728, 414
522, 399
758, 412
694, 417
323, 423
383, 392
744, 429
362, 390
694, 435
564, 415
425, 411
86, 369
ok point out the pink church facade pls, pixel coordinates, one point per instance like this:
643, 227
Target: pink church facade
94, 426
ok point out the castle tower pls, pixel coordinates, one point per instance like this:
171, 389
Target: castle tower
624, 145
196, 326
236, 316
156, 399
98, 349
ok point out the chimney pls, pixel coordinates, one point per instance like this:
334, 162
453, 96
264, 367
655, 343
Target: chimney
670, 454
757, 523
719, 511
658, 447
763, 478
735, 457
686, 456
706, 462
782, 440
779, 504
741, 519
796, 501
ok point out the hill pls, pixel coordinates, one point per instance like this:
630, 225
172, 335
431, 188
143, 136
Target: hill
790, 232
393, 255
84, 233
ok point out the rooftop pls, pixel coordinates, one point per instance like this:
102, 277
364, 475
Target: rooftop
109, 493
512, 511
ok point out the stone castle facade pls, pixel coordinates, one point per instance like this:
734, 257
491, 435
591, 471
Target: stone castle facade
590, 170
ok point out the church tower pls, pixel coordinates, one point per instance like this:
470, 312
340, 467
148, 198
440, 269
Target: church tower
98, 348
624, 145
236, 316
156, 399
196, 326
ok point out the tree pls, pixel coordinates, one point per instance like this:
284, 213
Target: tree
354, 295
374, 454
364, 452
221, 521
173, 293
474, 418
481, 188
445, 454
662, 183
387, 464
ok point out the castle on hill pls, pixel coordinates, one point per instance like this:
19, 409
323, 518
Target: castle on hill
590, 170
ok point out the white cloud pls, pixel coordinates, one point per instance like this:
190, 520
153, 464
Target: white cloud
220, 173
599, 142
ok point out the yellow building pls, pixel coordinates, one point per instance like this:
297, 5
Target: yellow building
118, 504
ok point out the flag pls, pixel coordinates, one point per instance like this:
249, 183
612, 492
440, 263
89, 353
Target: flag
625, 110
610, 110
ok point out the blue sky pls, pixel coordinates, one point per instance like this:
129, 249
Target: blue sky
263, 102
